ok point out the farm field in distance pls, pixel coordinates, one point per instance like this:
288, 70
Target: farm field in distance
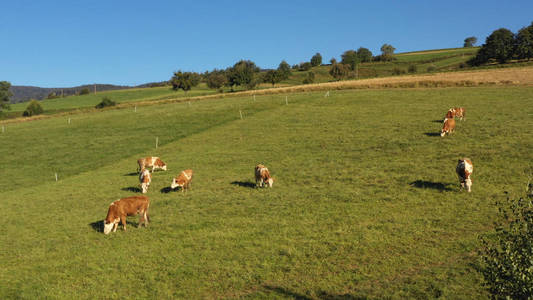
365, 203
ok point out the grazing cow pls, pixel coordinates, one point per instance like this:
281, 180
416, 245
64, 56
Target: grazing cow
459, 112
151, 161
448, 126
183, 180
145, 179
464, 169
121, 208
262, 176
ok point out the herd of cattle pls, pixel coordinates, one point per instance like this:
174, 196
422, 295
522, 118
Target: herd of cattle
120, 209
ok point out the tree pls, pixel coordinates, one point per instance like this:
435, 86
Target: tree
34, 108
4, 95
184, 80
364, 54
333, 61
216, 79
243, 73
339, 71
272, 76
316, 60
470, 42
499, 46
507, 254
387, 52
524, 43
349, 57
305, 66
284, 70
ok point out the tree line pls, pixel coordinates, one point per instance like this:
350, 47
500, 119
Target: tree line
502, 45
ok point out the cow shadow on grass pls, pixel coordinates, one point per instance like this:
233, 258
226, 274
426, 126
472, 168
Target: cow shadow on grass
432, 133
423, 184
132, 189
98, 226
166, 190
247, 184
438, 121
132, 174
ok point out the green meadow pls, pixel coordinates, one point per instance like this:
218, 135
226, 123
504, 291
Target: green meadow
365, 203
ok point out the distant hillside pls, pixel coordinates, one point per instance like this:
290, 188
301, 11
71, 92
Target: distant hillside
25, 93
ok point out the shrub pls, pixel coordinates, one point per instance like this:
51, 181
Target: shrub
34, 108
507, 255
310, 78
106, 101
316, 60
84, 91
431, 69
412, 69
306, 66
397, 71
339, 71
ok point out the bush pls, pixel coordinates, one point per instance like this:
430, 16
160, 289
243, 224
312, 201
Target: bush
412, 69
306, 66
105, 103
316, 60
34, 108
397, 71
339, 71
310, 78
431, 69
84, 91
507, 255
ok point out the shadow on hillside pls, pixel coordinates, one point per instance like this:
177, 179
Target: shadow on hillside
437, 121
247, 184
432, 133
132, 189
322, 295
166, 190
98, 226
132, 174
431, 185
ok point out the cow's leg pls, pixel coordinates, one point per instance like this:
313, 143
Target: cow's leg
145, 214
141, 219
123, 221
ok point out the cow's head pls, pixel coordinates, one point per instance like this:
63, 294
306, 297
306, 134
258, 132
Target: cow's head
164, 167
175, 184
270, 181
442, 132
144, 187
108, 225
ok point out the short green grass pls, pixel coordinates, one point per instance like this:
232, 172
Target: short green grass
365, 204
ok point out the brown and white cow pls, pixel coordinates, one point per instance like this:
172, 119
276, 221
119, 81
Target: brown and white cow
450, 113
121, 208
459, 112
448, 126
184, 180
145, 179
151, 161
464, 169
262, 176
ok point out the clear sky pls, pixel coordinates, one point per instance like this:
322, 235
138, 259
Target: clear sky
129, 42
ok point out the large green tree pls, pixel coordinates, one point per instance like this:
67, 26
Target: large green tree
272, 76
350, 58
364, 54
339, 71
499, 46
243, 73
524, 43
4, 95
316, 60
284, 70
216, 79
184, 80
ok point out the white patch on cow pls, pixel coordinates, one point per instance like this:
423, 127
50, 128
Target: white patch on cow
164, 168
174, 184
442, 133
468, 167
468, 182
186, 176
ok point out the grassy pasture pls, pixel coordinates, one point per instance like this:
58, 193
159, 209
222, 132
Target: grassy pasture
366, 202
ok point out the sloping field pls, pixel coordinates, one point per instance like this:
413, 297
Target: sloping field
365, 204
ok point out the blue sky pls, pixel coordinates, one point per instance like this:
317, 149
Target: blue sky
69, 43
